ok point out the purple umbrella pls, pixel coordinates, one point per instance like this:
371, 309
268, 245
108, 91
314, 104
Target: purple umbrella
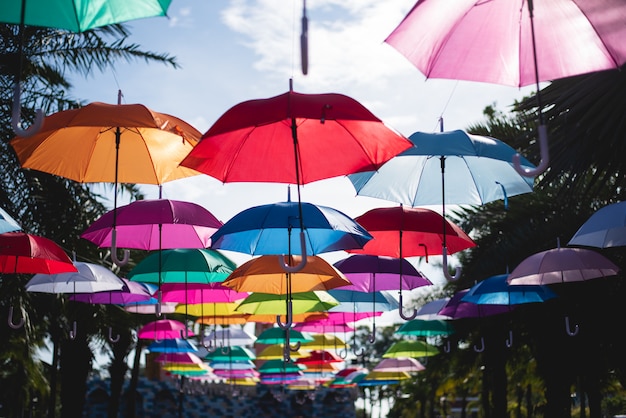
130, 292
153, 225
455, 308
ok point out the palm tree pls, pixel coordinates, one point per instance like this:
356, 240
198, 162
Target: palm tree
50, 206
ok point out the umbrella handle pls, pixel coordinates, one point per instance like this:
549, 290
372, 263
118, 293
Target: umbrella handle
293, 269
361, 352
400, 308
225, 350
372, 337
111, 338
568, 329
482, 346
289, 319
509, 340
10, 320
343, 353
73, 331
296, 347
446, 273
304, 41
447, 347
545, 156
15, 116
114, 258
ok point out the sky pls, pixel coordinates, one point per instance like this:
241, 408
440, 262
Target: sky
237, 50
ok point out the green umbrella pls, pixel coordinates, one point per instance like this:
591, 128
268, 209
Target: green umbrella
277, 336
279, 366
183, 265
426, 328
265, 303
230, 354
411, 348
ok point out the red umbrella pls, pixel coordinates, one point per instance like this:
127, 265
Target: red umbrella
407, 232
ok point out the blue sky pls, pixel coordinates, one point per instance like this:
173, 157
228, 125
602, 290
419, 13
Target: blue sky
236, 50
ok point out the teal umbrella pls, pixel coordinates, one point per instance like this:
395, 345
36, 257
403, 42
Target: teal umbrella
277, 336
230, 354
279, 366
426, 328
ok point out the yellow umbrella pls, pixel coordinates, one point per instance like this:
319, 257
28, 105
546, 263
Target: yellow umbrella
276, 352
268, 303
297, 317
323, 342
234, 319
208, 309
376, 375
183, 367
265, 274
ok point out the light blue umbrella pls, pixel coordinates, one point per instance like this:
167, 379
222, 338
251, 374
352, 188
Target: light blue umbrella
496, 290
605, 228
352, 301
7, 223
478, 169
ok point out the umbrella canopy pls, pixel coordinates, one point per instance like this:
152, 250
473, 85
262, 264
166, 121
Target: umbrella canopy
371, 273
279, 366
7, 223
289, 138
154, 225
407, 232
130, 292
164, 329
200, 293
267, 303
174, 345
479, 170
457, 308
207, 310
88, 278
562, 265
277, 336
26, 253
351, 301
235, 353
85, 145
605, 228
264, 274
271, 230
496, 290
411, 348
183, 265
79, 16
230, 336
431, 310
380, 378
424, 328
180, 358
494, 41
277, 352
399, 364
233, 365
323, 342
319, 357
322, 327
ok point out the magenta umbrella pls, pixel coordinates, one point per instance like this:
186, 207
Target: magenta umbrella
200, 293
155, 225
164, 329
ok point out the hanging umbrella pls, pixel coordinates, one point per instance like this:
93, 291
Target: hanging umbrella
235, 353
7, 223
411, 348
88, 278
230, 337
26, 253
322, 327
431, 310
512, 43
129, 293
351, 301
277, 336
426, 328
457, 308
173, 345
323, 342
208, 310
156, 224
186, 357
267, 303
279, 366
377, 378
264, 274
200, 293
164, 329
604, 229
277, 352
151, 143
399, 364
73, 16
406, 232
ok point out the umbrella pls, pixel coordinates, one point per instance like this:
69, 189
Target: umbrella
235, 353
279, 366
76, 16
456, 308
322, 342
186, 357
319, 357
27, 253
399, 364
88, 278
164, 329
426, 328
605, 228
152, 143
562, 265
200, 293
155, 225
229, 336
173, 345
267, 303
131, 292
7, 223
410, 348
277, 352
264, 274
498, 42
405, 232
277, 336
354, 302
431, 310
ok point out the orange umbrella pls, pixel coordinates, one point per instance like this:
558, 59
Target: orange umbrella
265, 274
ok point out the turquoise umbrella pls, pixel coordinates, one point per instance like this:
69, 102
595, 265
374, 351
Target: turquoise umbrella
426, 328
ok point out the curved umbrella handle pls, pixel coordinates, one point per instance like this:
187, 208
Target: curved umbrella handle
446, 273
158, 307
293, 269
114, 258
296, 347
15, 115
343, 353
111, 338
288, 320
225, 349
361, 353
425, 251
372, 337
568, 329
400, 308
509, 340
304, 41
447, 347
13, 325
73, 331
482, 346
545, 156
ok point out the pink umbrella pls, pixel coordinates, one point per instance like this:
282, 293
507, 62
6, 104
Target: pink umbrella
322, 327
186, 358
131, 292
200, 293
164, 329
399, 364
154, 225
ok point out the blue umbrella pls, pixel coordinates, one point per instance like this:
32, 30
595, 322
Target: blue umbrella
172, 345
351, 300
497, 291
269, 230
7, 223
